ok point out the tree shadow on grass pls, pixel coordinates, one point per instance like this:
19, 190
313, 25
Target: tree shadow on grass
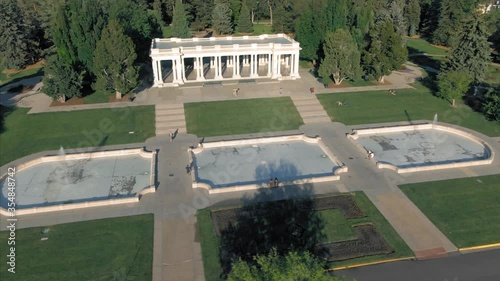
261, 225
4, 112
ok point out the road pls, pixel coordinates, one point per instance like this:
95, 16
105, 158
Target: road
482, 266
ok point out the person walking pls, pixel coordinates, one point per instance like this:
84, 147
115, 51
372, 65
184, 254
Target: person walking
171, 136
281, 91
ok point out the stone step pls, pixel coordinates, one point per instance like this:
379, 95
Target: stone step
169, 106
306, 102
317, 120
313, 114
169, 111
170, 124
308, 97
168, 130
168, 118
305, 108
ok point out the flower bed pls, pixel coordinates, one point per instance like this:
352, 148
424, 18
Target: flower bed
369, 242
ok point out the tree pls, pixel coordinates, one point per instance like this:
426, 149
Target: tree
412, 16
293, 266
114, 61
491, 103
245, 22
14, 36
342, 58
61, 81
451, 16
202, 13
180, 26
221, 19
310, 31
453, 85
86, 20
385, 51
336, 14
472, 53
429, 18
396, 15
158, 6
60, 33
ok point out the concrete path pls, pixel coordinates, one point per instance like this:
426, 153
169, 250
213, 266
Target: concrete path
310, 109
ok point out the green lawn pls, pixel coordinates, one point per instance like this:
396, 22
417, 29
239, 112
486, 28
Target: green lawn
493, 75
419, 45
466, 210
413, 104
22, 134
337, 228
206, 119
108, 249
26, 73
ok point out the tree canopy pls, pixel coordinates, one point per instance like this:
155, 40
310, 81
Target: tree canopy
180, 26
293, 266
221, 19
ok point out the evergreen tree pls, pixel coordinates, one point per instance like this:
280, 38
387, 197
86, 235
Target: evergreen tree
385, 51
86, 20
491, 103
236, 8
310, 30
158, 6
60, 35
472, 53
61, 81
453, 85
412, 16
342, 58
336, 14
361, 18
396, 14
293, 266
202, 13
245, 22
221, 19
429, 18
180, 28
14, 36
451, 17
114, 61
279, 18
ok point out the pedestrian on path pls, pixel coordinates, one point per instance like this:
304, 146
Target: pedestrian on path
171, 136
281, 91
312, 90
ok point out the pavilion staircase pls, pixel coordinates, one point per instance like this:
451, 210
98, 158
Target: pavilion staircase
170, 118
310, 109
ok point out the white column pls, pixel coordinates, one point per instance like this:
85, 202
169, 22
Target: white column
174, 71
160, 74
238, 75
269, 66
183, 71
256, 66
212, 62
251, 66
155, 72
199, 69
218, 68
296, 65
287, 61
234, 65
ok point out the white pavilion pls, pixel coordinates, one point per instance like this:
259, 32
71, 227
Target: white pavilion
180, 61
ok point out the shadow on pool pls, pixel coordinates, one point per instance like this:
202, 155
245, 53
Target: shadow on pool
261, 225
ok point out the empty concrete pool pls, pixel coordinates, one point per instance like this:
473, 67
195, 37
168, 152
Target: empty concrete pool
81, 179
423, 147
250, 164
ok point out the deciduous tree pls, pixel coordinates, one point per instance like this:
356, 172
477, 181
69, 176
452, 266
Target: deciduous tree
342, 58
293, 266
453, 85
114, 61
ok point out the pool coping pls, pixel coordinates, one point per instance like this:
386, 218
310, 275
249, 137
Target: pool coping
425, 126
14, 211
266, 140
